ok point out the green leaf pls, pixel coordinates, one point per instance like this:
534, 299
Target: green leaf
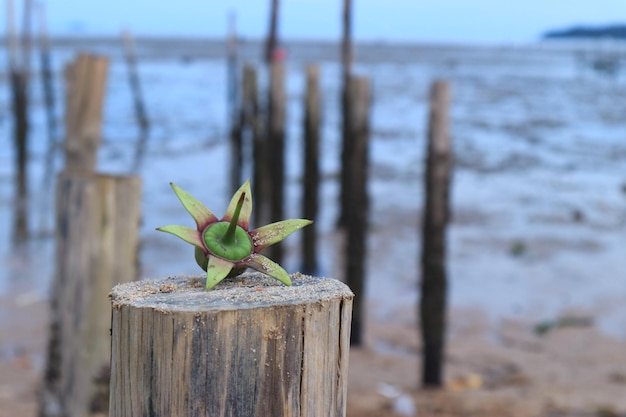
246, 208
187, 234
202, 215
216, 271
275, 232
268, 267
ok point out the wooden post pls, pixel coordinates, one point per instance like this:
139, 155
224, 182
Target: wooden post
97, 241
19, 70
86, 81
436, 213
275, 152
357, 223
51, 121
46, 78
312, 120
253, 126
133, 80
346, 112
235, 112
135, 87
272, 36
250, 347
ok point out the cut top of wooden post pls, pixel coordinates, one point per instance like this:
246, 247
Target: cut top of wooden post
250, 347
250, 290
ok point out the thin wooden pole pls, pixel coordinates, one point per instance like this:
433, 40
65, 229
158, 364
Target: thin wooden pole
235, 112
275, 152
51, 121
130, 53
310, 203
346, 43
358, 208
11, 37
254, 127
248, 348
272, 36
346, 112
437, 180
86, 82
19, 70
97, 241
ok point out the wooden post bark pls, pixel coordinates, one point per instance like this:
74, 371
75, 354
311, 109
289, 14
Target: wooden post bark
86, 81
436, 213
96, 247
275, 152
250, 347
357, 222
310, 203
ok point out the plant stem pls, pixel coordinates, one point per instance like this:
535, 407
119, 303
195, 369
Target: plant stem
229, 236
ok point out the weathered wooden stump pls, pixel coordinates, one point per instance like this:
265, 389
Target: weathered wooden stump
97, 244
249, 347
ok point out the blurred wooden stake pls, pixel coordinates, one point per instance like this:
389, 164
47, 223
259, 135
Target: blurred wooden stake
255, 132
19, 70
437, 180
130, 54
275, 151
346, 112
235, 110
310, 201
358, 207
272, 36
86, 81
51, 121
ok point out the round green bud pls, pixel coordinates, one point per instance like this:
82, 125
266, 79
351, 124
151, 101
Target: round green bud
236, 250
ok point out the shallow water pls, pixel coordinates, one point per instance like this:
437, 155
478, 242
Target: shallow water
540, 165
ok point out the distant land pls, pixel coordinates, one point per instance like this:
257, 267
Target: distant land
615, 31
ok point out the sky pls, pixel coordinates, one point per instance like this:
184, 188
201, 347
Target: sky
464, 21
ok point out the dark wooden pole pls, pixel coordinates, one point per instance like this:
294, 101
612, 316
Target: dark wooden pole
346, 112
437, 180
272, 36
130, 53
48, 89
248, 348
357, 215
236, 113
51, 121
310, 202
253, 129
346, 43
275, 151
19, 70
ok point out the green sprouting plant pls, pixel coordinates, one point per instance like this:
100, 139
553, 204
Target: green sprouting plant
226, 247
